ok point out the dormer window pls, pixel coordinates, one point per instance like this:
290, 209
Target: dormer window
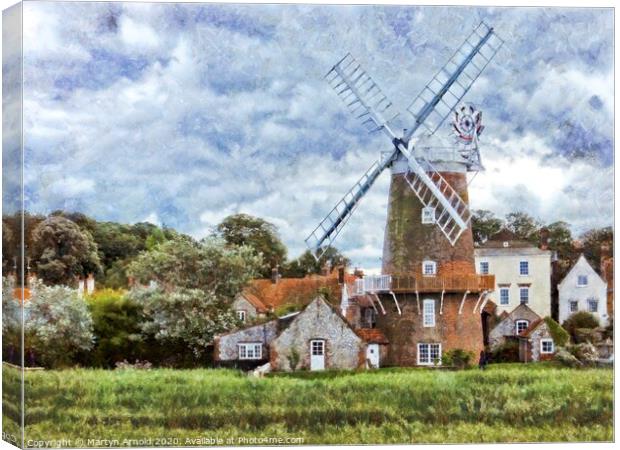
521, 326
582, 280
429, 268
428, 214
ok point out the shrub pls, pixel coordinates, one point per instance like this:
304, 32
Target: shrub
580, 319
138, 365
564, 357
586, 353
507, 352
458, 358
560, 335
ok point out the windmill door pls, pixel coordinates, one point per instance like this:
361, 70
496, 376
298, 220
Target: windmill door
317, 354
372, 355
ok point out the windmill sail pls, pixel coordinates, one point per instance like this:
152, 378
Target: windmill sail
361, 95
330, 226
447, 88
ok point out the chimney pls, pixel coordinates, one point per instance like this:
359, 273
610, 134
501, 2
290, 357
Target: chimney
358, 273
341, 275
275, 276
544, 238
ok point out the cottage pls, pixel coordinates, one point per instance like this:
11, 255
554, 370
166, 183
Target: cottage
536, 343
582, 289
248, 307
522, 272
511, 325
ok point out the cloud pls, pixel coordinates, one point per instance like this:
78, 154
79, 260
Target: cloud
183, 114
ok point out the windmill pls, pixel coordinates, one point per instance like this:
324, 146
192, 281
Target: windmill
435, 178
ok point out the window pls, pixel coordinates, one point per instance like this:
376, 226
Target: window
252, 350
429, 354
504, 296
524, 268
428, 214
429, 313
524, 294
370, 318
592, 305
241, 315
318, 348
484, 267
429, 268
521, 326
546, 346
574, 306
582, 280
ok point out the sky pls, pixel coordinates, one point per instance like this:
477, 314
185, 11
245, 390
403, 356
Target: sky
181, 114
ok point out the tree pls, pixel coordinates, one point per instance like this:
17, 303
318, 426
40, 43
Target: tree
260, 235
62, 251
308, 264
592, 241
11, 322
59, 325
484, 224
580, 319
524, 226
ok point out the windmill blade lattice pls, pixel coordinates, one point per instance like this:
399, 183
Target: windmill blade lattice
448, 87
361, 94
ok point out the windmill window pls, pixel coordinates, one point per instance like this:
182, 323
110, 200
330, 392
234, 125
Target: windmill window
484, 267
524, 294
504, 296
241, 315
574, 306
521, 326
546, 346
582, 280
592, 305
429, 313
251, 350
524, 268
429, 354
428, 214
429, 268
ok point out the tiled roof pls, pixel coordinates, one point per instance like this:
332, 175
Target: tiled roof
531, 328
254, 301
372, 335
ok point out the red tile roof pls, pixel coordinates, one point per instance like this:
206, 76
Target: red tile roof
531, 328
254, 301
372, 335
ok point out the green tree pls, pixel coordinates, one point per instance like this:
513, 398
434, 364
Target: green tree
308, 264
62, 251
580, 319
59, 325
11, 322
592, 241
262, 236
524, 226
484, 224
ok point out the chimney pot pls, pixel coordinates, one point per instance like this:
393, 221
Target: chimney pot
544, 238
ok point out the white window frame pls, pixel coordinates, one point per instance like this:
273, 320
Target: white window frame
426, 264
485, 270
430, 361
542, 347
524, 263
524, 289
580, 278
570, 306
507, 290
316, 345
242, 314
428, 312
595, 302
428, 215
250, 350
517, 322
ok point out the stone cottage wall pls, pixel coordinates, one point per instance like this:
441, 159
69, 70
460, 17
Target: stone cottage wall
507, 326
241, 303
541, 332
343, 348
226, 345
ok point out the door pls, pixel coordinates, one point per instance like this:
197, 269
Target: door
317, 354
372, 355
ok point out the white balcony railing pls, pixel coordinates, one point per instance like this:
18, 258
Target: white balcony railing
373, 283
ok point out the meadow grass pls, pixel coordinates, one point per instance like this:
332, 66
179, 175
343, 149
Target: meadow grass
506, 403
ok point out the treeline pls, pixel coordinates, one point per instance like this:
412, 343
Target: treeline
65, 246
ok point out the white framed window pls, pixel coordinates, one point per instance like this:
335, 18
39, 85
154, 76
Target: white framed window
250, 350
582, 280
484, 267
524, 294
429, 354
428, 313
592, 305
504, 296
521, 326
428, 214
241, 315
429, 268
318, 347
546, 346
524, 268
574, 306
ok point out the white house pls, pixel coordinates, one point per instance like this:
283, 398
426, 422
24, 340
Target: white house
522, 273
582, 289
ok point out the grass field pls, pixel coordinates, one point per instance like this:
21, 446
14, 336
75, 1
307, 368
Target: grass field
188, 407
